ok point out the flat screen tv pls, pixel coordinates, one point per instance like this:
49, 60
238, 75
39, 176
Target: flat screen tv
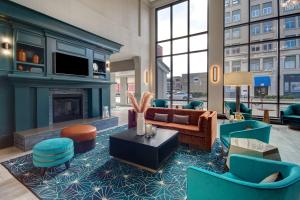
67, 64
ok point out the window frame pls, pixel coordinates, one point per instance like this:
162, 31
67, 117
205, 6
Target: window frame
273, 44
189, 52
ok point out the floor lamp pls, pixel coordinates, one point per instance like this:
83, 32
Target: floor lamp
238, 79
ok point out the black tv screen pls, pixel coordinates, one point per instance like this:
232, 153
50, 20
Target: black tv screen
66, 64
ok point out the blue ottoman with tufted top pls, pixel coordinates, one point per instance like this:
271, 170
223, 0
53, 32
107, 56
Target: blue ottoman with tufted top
53, 152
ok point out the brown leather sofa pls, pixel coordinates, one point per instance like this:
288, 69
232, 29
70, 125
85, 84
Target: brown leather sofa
199, 133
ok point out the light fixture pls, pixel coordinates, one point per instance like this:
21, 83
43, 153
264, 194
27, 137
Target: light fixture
238, 79
215, 73
6, 45
107, 65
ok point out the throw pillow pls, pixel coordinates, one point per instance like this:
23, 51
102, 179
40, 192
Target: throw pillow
161, 117
272, 178
181, 119
248, 128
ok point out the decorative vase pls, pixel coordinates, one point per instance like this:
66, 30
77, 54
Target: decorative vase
105, 112
22, 55
35, 59
140, 124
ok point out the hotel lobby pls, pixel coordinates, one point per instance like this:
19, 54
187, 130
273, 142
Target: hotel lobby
150, 99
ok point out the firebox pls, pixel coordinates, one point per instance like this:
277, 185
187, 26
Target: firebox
67, 107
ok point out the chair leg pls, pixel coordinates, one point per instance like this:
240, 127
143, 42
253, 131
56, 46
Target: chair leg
43, 171
67, 164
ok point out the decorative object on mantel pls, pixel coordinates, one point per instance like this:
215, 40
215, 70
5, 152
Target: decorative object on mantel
22, 55
20, 67
105, 112
35, 59
140, 108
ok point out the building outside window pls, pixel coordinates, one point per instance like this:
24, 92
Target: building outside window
267, 8
255, 48
236, 66
236, 15
255, 11
290, 23
268, 26
268, 64
290, 62
227, 17
236, 33
255, 29
290, 43
267, 47
255, 65
235, 50
227, 35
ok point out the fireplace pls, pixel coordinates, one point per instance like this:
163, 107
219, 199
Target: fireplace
67, 107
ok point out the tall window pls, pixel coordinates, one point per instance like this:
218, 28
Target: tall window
270, 49
181, 51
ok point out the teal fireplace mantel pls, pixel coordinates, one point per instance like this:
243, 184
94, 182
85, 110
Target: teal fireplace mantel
25, 95
54, 81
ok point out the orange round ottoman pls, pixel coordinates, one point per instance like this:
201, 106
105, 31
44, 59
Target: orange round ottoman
84, 136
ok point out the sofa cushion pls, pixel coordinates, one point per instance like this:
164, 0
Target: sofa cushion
194, 115
182, 127
181, 119
156, 123
161, 117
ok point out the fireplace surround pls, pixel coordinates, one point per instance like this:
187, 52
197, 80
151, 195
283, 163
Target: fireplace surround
67, 107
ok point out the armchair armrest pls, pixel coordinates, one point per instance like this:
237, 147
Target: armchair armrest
203, 184
225, 129
262, 134
287, 111
227, 108
244, 167
245, 109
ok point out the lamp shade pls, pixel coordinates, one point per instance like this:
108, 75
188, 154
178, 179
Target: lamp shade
238, 79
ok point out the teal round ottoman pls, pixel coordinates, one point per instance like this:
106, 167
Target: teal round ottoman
53, 152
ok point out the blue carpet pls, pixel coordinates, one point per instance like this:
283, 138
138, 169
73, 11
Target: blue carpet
95, 175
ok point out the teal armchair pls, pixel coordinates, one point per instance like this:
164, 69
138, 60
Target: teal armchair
161, 103
245, 129
291, 115
194, 105
230, 107
243, 181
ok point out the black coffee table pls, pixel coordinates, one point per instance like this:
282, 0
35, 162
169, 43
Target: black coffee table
141, 151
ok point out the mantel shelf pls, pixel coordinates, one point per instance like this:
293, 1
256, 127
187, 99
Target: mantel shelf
31, 64
57, 79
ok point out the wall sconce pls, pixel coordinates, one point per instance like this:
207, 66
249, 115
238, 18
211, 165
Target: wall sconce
146, 77
6, 46
215, 74
107, 65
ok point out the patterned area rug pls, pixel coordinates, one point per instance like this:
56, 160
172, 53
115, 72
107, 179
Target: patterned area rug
95, 175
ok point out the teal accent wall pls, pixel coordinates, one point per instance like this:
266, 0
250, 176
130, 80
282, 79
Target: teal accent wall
24, 96
93, 105
42, 107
